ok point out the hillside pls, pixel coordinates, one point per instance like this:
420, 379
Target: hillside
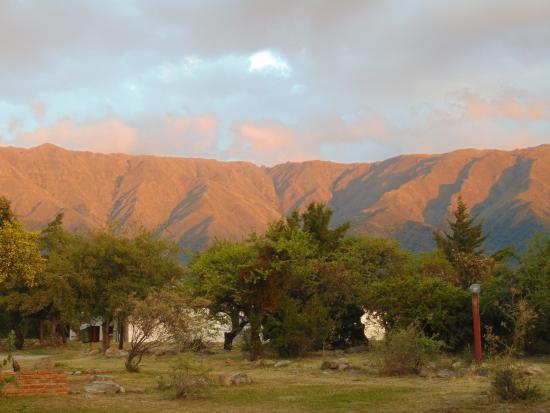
194, 200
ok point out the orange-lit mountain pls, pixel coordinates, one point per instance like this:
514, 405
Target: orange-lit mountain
194, 200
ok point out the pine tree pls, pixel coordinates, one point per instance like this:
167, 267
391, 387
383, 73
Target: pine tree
463, 247
465, 235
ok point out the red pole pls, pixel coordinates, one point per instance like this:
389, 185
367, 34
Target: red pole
477, 328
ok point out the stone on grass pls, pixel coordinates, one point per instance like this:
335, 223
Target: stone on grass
532, 370
339, 364
136, 390
234, 379
103, 387
445, 374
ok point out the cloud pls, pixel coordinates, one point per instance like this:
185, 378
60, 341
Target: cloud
106, 136
478, 108
165, 135
275, 80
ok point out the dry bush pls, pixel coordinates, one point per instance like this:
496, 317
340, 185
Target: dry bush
165, 317
511, 384
406, 351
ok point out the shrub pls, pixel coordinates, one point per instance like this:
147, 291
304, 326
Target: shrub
406, 351
186, 380
4, 381
510, 384
440, 309
294, 329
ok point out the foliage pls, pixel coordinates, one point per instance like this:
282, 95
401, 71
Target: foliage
462, 246
406, 351
187, 380
440, 309
295, 329
20, 260
165, 316
511, 384
517, 303
10, 348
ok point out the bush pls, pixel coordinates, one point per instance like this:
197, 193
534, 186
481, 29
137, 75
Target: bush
440, 309
510, 384
188, 381
4, 381
406, 351
295, 329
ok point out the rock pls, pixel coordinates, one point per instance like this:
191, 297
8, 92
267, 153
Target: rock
103, 387
77, 373
424, 372
94, 352
532, 370
136, 390
445, 362
339, 364
282, 363
445, 374
265, 363
457, 364
235, 379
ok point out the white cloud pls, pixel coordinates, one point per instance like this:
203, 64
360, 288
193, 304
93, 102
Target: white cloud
268, 62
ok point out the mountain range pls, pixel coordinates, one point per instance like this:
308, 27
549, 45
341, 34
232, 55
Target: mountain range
193, 200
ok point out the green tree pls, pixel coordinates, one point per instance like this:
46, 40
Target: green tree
440, 309
463, 247
214, 275
123, 269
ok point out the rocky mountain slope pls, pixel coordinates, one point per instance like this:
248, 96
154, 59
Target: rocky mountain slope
194, 200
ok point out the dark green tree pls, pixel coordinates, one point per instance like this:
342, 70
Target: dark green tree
463, 247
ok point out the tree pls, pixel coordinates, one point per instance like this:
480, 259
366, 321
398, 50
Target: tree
519, 295
440, 309
20, 259
214, 275
164, 316
123, 269
463, 247
6, 213
20, 264
465, 235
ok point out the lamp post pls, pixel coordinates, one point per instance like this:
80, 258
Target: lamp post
476, 289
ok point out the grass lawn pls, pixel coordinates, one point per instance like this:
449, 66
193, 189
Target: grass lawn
300, 387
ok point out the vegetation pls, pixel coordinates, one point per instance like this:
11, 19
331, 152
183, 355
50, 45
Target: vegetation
300, 287
407, 351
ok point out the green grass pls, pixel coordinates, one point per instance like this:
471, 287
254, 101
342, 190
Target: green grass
301, 387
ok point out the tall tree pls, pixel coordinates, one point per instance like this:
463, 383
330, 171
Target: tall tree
463, 246
20, 264
122, 270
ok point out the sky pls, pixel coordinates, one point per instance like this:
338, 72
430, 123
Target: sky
271, 81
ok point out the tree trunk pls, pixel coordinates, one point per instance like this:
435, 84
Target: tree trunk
255, 340
53, 330
106, 338
64, 333
236, 327
121, 334
20, 338
41, 331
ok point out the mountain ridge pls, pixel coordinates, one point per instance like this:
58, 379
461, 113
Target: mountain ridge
193, 200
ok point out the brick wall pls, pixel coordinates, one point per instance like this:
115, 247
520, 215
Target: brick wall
33, 383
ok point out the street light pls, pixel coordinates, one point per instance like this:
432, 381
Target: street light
476, 289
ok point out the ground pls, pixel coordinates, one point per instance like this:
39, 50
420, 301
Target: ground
300, 387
